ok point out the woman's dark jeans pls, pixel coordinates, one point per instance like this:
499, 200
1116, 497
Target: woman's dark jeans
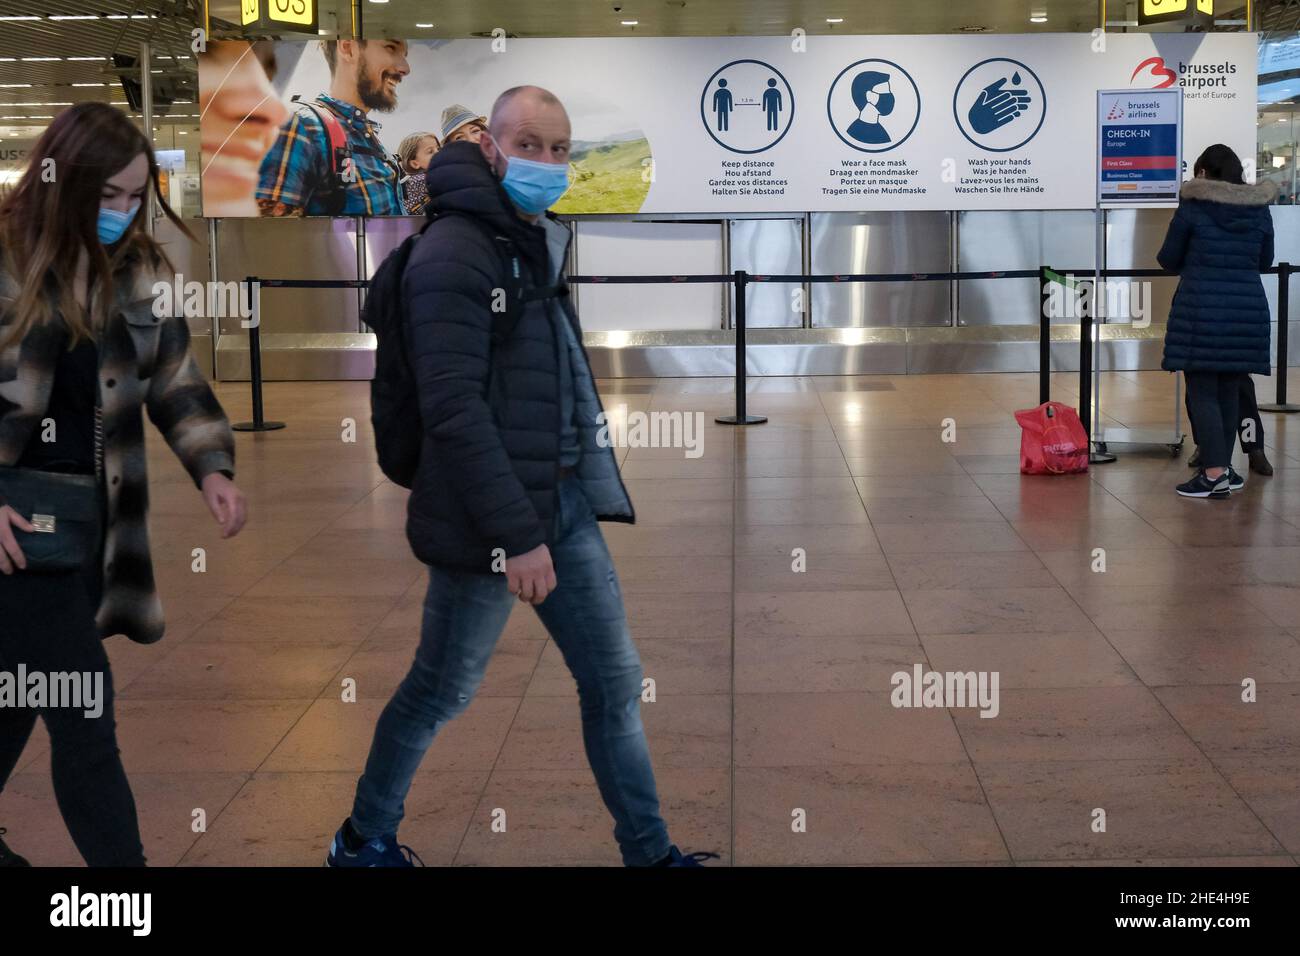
1251, 426
1212, 404
48, 625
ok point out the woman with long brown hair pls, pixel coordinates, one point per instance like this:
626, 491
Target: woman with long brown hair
82, 354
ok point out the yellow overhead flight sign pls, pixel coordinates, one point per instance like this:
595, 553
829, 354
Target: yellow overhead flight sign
1167, 11
275, 16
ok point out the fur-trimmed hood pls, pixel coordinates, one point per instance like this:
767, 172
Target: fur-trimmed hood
1216, 190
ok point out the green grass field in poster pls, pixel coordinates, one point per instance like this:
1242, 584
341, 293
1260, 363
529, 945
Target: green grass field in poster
610, 178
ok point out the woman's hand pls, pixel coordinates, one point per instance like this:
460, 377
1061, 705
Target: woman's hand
226, 502
11, 556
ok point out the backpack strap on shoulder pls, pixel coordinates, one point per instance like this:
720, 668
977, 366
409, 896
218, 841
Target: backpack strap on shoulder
338, 151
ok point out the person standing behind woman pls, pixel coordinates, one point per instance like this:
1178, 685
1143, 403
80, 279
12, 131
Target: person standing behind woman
82, 354
414, 155
1220, 239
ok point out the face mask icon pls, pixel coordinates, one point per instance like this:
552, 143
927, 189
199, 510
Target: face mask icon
874, 99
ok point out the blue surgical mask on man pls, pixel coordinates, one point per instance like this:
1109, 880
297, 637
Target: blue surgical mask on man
534, 187
113, 224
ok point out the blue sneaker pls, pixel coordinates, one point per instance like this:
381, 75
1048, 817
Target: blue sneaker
381, 851
689, 859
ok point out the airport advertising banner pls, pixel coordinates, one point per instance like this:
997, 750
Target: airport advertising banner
765, 124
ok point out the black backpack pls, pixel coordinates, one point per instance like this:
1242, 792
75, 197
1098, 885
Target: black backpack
394, 402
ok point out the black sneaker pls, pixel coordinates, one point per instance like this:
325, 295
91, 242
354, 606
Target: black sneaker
1235, 481
7, 856
1203, 487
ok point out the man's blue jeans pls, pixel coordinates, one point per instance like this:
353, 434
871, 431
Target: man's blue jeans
464, 614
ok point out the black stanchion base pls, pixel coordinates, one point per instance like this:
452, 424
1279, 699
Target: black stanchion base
737, 420
254, 427
1284, 409
1099, 455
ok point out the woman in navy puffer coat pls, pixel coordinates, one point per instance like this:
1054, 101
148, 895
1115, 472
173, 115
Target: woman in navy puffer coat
1220, 239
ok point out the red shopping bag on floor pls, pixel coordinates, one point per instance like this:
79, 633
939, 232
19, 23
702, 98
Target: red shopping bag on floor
1052, 440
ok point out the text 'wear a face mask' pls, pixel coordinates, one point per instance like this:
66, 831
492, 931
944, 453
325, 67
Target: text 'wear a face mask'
535, 187
113, 224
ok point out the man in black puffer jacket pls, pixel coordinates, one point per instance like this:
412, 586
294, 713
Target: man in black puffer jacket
514, 473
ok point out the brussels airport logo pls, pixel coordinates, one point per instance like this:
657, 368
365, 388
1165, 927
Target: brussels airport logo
1159, 70
747, 106
1196, 79
873, 105
1000, 105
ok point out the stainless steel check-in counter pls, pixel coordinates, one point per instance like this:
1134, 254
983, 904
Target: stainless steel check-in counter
686, 329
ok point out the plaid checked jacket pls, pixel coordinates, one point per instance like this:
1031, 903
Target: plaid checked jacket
295, 170
144, 363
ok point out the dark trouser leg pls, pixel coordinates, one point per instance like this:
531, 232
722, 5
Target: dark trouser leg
50, 629
1187, 402
1205, 405
1251, 427
16, 725
1229, 403
585, 618
464, 614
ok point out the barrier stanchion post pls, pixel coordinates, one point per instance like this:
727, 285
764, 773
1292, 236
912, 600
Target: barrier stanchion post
1085, 370
1044, 337
1284, 270
259, 423
740, 418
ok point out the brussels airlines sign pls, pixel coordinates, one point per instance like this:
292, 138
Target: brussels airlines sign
1139, 142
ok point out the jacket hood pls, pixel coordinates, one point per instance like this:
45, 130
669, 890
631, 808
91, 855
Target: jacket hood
1233, 207
1231, 194
460, 180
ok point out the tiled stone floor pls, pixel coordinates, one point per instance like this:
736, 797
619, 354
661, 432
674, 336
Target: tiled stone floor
1119, 690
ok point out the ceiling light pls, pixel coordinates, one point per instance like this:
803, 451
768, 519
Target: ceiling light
1038, 18
75, 16
18, 18
85, 59
90, 84
425, 26
16, 86
834, 19
630, 23
41, 59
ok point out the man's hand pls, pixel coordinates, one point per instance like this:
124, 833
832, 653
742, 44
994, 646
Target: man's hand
531, 576
11, 556
226, 502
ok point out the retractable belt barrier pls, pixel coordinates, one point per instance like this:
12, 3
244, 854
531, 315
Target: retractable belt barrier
740, 279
